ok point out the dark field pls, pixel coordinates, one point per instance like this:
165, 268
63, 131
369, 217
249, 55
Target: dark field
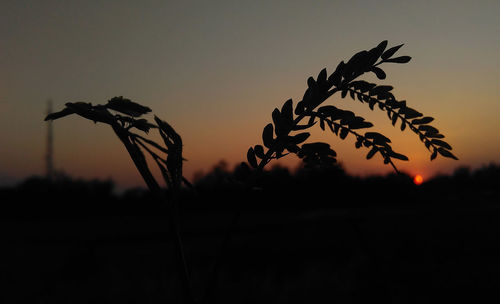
315, 238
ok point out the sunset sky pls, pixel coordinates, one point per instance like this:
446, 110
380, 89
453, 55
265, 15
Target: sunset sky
215, 70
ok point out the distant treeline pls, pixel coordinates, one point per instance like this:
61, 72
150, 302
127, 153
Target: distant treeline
277, 189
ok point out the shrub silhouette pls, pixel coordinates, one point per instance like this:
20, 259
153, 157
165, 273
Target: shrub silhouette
277, 136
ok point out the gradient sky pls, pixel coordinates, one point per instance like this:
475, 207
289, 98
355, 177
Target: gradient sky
216, 69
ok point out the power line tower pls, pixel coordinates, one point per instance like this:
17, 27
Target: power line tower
49, 161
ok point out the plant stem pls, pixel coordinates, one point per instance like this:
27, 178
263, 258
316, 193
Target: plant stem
296, 121
137, 158
174, 219
212, 276
173, 214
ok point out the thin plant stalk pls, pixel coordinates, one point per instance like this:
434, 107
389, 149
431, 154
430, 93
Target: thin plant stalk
171, 168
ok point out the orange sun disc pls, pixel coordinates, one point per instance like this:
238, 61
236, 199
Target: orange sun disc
418, 179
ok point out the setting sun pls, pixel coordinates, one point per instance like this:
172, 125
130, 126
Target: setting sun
418, 179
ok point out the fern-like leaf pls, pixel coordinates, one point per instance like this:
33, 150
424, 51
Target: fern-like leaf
342, 122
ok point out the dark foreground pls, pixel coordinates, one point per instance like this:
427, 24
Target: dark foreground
417, 245
398, 255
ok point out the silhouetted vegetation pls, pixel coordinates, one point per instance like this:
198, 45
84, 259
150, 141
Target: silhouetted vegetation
65, 193
249, 234
123, 116
344, 80
281, 189
74, 240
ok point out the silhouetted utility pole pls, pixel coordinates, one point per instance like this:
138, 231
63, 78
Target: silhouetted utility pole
49, 157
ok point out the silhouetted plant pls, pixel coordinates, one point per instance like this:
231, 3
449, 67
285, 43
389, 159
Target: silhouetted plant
123, 122
279, 136
170, 166
283, 136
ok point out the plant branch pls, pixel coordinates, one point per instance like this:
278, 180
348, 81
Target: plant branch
174, 217
152, 143
137, 158
383, 105
296, 121
364, 139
